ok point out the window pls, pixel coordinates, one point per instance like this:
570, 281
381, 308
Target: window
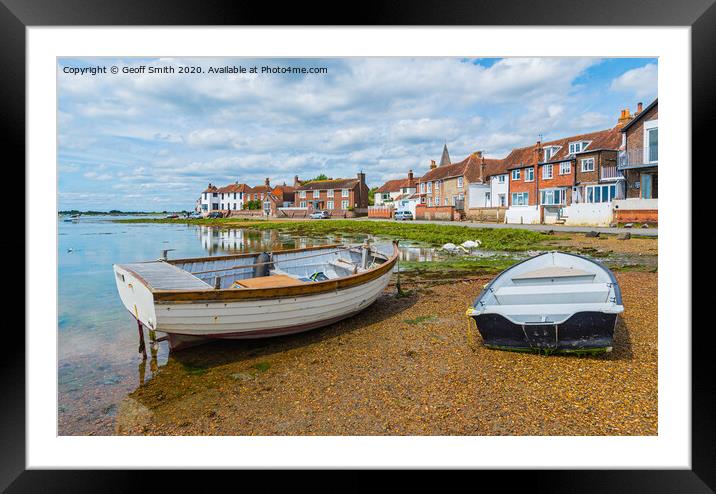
303, 194
588, 165
303, 204
547, 171
329, 205
516, 174
529, 174
488, 199
501, 179
565, 168
600, 193
520, 198
430, 201
437, 199
437, 185
215, 194
446, 201
577, 147
235, 206
651, 141
386, 197
459, 182
316, 194
329, 193
344, 204
344, 192
550, 151
430, 187
553, 197
501, 199
422, 188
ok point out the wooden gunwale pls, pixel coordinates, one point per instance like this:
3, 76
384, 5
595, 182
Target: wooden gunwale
226, 294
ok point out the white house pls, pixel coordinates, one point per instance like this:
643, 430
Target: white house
393, 190
228, 198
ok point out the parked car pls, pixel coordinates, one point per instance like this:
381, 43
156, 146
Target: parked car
403, 215
319, 215
172, 216
214, 214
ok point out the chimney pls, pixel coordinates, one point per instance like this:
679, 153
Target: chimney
538, 151
361, 177
268, 183
296, 181
410, 177
432, 164
624, 118
639, 107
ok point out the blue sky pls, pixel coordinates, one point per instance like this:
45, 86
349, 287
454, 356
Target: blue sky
154, 141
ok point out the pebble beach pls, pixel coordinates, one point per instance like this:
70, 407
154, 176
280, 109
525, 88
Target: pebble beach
407, 366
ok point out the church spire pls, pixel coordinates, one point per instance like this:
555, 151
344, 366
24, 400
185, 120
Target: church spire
445, 160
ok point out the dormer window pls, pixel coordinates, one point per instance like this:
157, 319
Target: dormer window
550, 151
578, 147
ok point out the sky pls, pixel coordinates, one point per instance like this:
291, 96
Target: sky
146, 141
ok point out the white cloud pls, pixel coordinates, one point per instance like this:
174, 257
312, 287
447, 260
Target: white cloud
642, 81
382, 115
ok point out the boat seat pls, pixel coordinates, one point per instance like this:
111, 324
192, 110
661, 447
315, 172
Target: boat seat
553, 294
553, 274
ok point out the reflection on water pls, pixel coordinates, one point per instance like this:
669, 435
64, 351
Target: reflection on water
97, 338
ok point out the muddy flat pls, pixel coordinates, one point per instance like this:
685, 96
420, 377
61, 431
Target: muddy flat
407, 366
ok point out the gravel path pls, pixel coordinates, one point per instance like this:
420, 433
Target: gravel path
404, 367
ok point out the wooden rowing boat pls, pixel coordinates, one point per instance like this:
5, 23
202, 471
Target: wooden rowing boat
551, 302
254, 295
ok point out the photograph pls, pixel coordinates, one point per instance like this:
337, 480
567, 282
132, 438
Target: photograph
358, 245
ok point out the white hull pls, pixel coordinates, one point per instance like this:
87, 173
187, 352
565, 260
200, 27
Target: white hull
224, 318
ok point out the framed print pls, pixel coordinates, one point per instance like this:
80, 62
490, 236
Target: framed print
421, 241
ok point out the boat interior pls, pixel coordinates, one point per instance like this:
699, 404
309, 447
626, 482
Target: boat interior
550, 288
259, 270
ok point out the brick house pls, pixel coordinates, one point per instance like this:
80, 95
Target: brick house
338, 196
639, 162
447, 184
547, 178
260, 192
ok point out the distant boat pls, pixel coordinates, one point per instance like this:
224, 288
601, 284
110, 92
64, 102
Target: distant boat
551, 302
254, 295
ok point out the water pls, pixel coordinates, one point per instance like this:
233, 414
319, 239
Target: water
98, 362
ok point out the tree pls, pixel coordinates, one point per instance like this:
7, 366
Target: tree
371, 196
322, 176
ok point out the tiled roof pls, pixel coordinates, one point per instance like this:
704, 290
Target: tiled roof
235, 187
260, 188
470, 168
338, 183
528, 156
398, 184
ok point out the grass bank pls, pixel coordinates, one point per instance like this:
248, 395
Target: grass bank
436, 235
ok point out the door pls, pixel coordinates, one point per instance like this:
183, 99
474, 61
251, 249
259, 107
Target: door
645, 186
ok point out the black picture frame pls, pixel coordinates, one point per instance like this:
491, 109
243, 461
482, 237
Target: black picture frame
700, 15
